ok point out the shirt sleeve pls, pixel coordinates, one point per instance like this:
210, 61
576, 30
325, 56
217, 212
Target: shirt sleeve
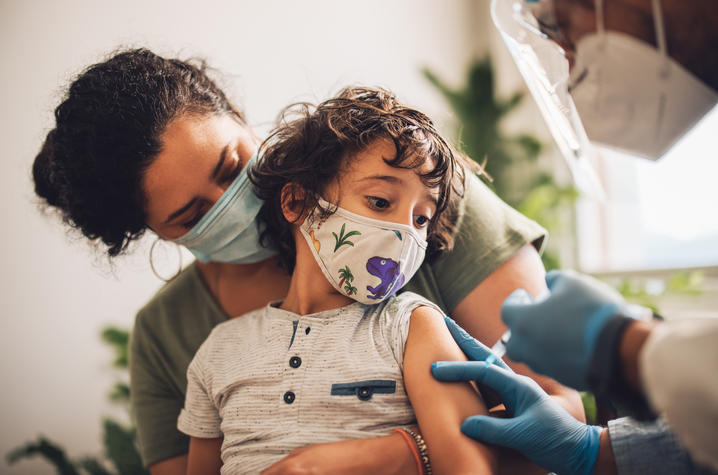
396, 318
199, 417
488, 232
649, 448
155, 401
167, 332
679, 364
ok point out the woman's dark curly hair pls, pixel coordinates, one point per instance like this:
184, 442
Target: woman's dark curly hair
107, 133
311, 144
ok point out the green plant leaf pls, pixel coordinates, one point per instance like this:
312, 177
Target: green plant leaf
119, 339
93, 466
589, 407
120, 392
685, 283
121, 449
46, 449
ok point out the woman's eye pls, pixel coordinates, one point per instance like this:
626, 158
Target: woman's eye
421, 221
190, 224
233, 173
378, 203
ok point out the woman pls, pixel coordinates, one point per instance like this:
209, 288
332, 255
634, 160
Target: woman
143, 142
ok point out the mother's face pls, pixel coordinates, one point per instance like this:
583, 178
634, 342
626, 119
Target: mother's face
201, 156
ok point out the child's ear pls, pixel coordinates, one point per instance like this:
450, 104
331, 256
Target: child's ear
292, 202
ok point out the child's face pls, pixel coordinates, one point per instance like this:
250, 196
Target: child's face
368, 186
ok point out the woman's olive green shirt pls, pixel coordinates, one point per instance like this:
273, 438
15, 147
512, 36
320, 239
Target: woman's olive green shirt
173, 324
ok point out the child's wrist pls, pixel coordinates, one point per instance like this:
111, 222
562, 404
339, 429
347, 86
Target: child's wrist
418, 450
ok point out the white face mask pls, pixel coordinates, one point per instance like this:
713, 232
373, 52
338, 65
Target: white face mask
632, 97
363, 258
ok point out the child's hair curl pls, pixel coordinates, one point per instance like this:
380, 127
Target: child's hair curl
311, 143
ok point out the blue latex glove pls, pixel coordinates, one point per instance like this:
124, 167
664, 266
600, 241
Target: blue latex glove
556, 334
539, 427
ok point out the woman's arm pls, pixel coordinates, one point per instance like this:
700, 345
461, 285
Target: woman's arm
205, 456
440, 407
388, 455
479, 313
171, 466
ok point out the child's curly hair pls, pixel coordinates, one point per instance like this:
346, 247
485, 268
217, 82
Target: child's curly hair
309, 146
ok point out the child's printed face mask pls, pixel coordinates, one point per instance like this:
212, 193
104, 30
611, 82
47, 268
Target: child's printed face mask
364, 258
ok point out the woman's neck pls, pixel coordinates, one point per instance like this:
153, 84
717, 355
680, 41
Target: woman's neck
309, 290
241, 288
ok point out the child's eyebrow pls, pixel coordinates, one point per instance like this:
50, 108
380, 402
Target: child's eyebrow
387, 178
429, 196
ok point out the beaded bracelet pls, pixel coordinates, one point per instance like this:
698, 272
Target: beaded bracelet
423, 450
412, 446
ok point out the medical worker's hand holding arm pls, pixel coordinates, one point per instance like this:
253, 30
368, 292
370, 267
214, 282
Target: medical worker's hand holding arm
537, 427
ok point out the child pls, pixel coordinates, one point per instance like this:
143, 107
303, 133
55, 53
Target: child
355, 192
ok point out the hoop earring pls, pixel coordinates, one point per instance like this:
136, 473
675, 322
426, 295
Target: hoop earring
152, 264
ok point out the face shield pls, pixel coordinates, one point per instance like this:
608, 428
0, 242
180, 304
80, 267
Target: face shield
601, 71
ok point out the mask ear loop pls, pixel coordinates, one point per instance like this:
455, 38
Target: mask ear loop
152, 264
660, 30
600, 22
665, 71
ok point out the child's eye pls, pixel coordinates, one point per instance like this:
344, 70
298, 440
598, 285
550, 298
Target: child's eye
421, 221
378, 203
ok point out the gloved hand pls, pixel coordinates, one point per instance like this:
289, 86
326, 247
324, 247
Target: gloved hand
556, 334
539, 427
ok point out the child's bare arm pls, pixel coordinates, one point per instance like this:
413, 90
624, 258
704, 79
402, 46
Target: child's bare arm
441, 407
204, 456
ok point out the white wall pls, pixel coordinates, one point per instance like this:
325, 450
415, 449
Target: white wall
56, 292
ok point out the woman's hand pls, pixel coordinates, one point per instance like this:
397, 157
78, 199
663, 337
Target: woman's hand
381, 455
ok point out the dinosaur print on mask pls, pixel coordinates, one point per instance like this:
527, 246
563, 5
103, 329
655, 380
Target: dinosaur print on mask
388, 271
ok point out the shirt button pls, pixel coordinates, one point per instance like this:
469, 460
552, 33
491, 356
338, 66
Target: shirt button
364, 393
289, 397
295, 362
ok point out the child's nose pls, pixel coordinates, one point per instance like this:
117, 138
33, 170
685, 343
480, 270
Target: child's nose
406, 217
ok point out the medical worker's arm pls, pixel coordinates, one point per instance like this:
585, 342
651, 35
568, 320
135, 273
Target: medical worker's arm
204, 456
677, 368
480, 314
439, 407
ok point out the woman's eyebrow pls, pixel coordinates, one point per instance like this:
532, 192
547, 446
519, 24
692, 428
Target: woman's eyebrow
222, 158
180, 211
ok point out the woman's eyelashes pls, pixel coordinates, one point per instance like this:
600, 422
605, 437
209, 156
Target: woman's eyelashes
233, 172
194, 220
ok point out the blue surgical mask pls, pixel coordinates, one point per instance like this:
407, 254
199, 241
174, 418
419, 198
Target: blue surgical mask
229, 232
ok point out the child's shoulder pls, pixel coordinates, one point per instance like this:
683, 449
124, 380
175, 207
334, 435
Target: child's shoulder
406, 302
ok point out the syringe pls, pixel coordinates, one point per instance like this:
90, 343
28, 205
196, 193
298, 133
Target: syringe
499, 348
